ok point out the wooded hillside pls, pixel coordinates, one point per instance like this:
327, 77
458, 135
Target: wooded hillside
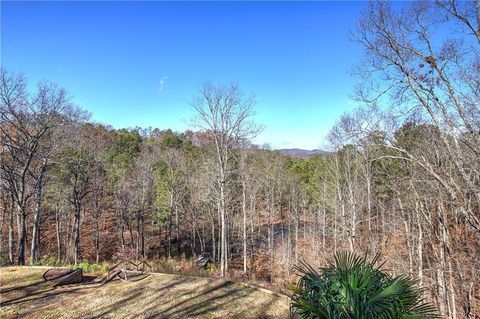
402, 175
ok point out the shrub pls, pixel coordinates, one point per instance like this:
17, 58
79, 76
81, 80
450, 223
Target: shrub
211, 267
48, 261
353, 287
185, 267
87, 267
105, 267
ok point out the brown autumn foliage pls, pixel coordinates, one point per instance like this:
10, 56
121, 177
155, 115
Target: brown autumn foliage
401, 176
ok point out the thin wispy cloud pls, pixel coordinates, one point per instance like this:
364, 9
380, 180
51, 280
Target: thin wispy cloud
61, 69
163, 80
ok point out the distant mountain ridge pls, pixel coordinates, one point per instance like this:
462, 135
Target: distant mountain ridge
298, 152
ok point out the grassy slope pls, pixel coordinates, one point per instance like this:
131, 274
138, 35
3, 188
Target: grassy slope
156, 296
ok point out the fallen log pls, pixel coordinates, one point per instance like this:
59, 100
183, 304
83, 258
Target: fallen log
130, 275
55, 273
106, 277
76, 276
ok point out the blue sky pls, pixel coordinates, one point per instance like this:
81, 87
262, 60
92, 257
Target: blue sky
140, 63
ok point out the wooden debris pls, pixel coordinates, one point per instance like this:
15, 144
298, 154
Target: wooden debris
55, 273
203, 260
74, 277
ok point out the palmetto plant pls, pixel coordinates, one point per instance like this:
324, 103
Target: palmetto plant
353, 287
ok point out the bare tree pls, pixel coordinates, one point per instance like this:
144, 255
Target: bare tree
171, 184
225, 113
423, 73
54, 105
26, 121
75, 174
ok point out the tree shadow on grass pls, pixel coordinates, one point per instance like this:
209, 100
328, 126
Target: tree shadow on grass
120, 303
43, 293
208, 291
135, 293
179, 297
230, 294
2, 291
210, 305
225, 301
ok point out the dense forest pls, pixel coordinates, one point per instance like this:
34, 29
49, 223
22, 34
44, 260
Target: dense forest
401, 176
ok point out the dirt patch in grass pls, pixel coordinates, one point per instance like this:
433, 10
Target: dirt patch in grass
25, 294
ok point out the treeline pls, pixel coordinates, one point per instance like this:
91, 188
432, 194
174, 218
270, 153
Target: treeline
402, 176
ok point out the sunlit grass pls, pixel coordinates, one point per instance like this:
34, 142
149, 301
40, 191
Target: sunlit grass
158, 295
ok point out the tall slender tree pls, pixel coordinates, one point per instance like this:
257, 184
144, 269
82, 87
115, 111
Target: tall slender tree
225, 113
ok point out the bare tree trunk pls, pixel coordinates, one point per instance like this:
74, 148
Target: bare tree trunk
272, 239
76, 249
289, 248
201, 239
214, 256
22, 234
408, 235
130, 231
223, 249
227, 234
160, 241
36, 229
165, 245
57, 224
11, 243
97, 239
419, 245
409, 246
451, 288
219, 245
142, 237
37, 215
252, 230
324, 210
244, 210
441, 270
170, 216
335, 226
368, 177
441, 293
177, 226
339, 198
296, 237
450, 297
194, 240
137, 241
122, 229
351, 198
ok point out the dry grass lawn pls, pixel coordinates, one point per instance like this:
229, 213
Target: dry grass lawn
24, 294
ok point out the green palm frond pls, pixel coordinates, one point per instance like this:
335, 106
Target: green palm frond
354, 287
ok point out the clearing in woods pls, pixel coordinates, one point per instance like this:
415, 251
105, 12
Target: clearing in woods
25, 294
